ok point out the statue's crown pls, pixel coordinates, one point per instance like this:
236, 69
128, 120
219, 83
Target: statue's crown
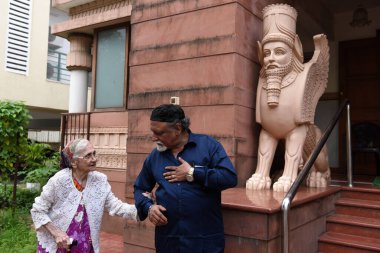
279, 21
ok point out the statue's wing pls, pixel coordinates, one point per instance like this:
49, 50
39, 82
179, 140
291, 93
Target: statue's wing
316, 80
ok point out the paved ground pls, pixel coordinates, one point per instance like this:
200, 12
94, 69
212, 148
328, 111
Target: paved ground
111, 243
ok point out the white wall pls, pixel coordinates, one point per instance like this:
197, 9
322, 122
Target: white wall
34, 89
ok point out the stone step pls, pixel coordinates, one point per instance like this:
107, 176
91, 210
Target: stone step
354, 225
361, 192
358, 207
330, 242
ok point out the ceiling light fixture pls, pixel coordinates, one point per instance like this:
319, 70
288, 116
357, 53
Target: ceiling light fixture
360, 17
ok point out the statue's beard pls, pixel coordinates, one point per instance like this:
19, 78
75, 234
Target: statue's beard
274, 74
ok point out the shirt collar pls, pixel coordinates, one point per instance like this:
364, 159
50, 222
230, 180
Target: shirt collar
192, 139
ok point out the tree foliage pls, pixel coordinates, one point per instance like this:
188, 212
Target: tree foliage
14, 119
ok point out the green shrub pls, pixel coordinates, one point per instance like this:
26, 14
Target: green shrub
40, 175
16, 232
5, 197
14, 119
41, 163
24, 198
37, 154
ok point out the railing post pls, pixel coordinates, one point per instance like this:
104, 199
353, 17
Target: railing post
306, 169
59, 67
63, 130
349, 151
285, 225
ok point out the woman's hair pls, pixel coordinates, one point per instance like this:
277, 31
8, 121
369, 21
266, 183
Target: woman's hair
72, 151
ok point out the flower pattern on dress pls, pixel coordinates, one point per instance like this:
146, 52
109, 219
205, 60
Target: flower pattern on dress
80, 231
78, 217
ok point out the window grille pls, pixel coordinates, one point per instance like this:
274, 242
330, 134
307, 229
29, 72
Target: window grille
18, 36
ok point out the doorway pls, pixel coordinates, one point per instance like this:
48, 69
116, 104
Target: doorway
359, 80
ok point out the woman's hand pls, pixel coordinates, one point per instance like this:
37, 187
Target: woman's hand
61, 238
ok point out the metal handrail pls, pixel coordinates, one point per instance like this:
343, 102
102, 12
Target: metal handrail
285, 206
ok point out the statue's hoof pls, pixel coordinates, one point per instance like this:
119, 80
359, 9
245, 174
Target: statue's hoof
258, 182
317, 179
282, 185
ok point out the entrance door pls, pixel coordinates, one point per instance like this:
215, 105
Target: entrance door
359, 80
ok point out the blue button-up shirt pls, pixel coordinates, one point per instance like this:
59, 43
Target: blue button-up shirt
193, 208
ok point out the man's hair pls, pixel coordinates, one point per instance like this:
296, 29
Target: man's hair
170, 113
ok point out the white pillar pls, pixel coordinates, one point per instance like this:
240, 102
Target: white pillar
78, 91
79, 63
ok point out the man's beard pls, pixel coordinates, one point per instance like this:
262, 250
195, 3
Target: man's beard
274, 78
160, 146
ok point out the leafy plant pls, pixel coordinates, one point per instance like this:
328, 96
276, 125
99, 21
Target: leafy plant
37, 157
25, 198
41, 163
14, 118
40, 175
16, 235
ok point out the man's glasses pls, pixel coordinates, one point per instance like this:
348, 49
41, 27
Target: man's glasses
89, 156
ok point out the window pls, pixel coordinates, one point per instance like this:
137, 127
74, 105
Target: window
58, 48
18, 36
111, 69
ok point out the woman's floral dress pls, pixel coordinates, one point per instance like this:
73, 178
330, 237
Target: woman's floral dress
79, 229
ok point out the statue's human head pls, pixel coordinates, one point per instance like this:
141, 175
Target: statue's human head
277, 58
280, 51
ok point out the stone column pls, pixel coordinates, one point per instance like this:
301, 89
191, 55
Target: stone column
79, 63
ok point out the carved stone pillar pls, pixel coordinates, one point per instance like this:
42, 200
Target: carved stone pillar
79, 63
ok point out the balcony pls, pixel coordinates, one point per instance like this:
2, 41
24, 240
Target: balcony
56, 67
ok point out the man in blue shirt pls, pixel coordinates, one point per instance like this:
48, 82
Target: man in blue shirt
191, 170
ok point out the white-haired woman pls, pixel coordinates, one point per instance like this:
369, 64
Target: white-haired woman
71, 204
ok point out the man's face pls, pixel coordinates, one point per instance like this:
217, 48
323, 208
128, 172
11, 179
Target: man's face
277, 58
164, 134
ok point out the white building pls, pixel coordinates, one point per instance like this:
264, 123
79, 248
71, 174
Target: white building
33, 64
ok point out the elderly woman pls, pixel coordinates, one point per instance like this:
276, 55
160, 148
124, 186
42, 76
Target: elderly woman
71, 204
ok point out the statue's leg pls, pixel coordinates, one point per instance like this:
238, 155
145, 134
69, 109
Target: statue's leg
267, 147
293, 156
320, 174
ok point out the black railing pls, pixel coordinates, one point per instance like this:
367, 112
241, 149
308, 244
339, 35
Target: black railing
308, 165
73, 126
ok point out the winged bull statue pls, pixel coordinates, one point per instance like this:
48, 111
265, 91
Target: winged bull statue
287, 95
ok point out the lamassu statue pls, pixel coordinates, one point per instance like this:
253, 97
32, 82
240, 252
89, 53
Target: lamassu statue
287, 95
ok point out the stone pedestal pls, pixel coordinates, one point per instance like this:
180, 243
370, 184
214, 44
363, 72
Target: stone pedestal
253, 219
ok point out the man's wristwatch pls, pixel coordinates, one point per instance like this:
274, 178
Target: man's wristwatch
189, 175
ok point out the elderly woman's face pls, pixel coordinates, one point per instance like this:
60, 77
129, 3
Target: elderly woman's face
85, 158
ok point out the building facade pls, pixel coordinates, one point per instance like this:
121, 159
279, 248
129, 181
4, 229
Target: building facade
142, 53
29, 66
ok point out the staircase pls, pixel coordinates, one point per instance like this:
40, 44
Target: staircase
355, 226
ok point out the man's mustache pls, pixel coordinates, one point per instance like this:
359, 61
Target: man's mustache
272, 65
